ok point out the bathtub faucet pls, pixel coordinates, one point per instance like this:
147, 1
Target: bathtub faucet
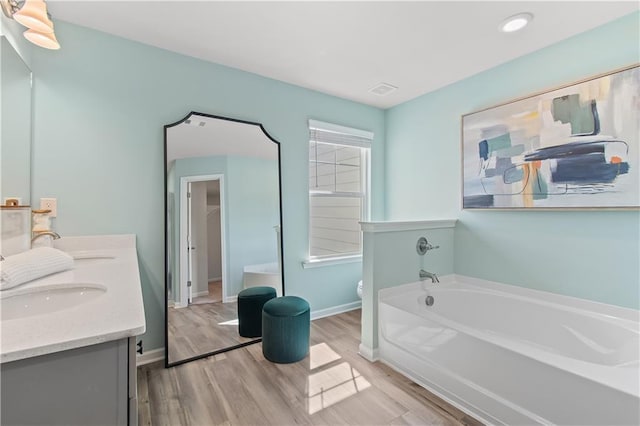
426, 274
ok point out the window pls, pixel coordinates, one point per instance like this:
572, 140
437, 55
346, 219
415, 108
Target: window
338, 189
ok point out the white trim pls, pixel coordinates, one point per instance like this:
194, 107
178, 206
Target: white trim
321, 125
407, 226
329, 261
371, 355
184, 180
230, 299
335, 310
200, 293
366, 180
150, 356
215, 279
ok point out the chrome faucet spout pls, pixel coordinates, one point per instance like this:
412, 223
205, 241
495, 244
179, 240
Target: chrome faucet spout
37, 235
426, 274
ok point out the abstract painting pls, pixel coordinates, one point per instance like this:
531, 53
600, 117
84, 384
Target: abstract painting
573, 147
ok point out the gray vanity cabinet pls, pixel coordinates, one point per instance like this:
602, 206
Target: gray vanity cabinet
92, 385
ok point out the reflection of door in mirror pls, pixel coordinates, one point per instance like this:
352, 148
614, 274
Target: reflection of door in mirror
15, 145
223, 229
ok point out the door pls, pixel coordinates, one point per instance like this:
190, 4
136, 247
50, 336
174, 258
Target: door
190, 246
198, 237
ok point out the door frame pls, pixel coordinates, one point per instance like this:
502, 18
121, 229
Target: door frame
183, 243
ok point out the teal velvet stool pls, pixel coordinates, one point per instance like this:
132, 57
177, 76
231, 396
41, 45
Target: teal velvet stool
250, 303
285, 329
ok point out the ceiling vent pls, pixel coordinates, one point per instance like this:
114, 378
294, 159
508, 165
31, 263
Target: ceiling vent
382, 89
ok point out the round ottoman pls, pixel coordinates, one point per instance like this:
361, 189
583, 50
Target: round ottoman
250, 302
285, 329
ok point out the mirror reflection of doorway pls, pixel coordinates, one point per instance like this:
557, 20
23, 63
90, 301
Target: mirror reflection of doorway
201, 244
208, 261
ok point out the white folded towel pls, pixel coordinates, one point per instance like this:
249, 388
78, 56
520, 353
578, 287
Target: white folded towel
32, 264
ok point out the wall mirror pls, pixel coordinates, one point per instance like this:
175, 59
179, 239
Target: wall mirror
223, 230
15, 147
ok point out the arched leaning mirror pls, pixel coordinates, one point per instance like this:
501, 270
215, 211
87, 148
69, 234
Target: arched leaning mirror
223, 222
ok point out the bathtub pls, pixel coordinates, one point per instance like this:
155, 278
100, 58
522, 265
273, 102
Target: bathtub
265, 274
510, 355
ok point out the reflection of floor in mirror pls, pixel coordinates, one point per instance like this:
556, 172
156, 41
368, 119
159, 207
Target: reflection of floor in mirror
215, 294
201, 328
332, 385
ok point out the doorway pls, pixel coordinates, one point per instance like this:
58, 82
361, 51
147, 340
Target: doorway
202, 241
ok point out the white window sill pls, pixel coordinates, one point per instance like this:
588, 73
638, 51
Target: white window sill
330, 261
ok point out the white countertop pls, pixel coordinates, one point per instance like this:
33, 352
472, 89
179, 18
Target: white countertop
116, 314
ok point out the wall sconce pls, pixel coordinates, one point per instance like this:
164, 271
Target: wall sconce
33, 15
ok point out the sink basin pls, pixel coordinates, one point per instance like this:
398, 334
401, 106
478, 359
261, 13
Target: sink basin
46, 299
90, 257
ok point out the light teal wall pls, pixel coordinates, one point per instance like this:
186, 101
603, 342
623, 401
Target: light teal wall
587, 254
100, 106
173, 254
13, 32
252, 213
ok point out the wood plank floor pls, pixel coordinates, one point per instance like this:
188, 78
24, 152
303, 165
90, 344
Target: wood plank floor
215, 293
331, 386
202, 328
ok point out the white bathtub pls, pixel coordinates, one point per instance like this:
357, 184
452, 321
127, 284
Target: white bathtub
265, 274
506, 354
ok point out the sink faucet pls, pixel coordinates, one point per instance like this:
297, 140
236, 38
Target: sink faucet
425, 274
40, 234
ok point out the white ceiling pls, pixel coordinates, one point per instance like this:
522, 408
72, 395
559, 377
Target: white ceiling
218, 137
345, 48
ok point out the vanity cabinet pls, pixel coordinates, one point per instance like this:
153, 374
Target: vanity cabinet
91, 385
71, 361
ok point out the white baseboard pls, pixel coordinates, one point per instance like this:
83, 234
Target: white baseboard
231, 299
371, 355
215, 279
200, 293
150, 356
334, 310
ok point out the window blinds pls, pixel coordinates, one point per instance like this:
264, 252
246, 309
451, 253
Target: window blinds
339, 135
338, 186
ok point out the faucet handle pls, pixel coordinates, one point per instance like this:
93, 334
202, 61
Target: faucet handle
423, 246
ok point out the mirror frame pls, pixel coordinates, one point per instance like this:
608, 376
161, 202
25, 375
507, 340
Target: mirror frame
168, 364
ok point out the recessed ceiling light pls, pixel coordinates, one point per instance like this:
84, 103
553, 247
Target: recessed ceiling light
191, 122
383, 89
515, 22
